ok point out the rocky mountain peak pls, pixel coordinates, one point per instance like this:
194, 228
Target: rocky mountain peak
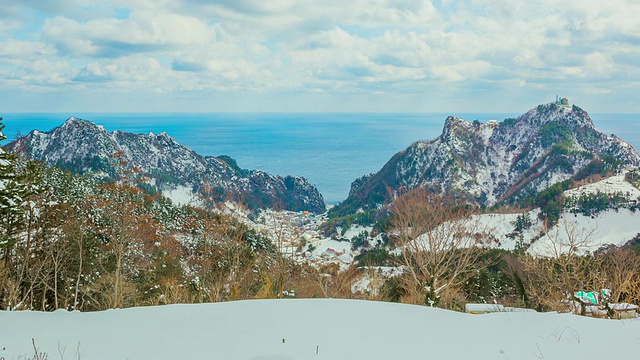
498, 162
72, 121
76, 123
546, 113
454, 125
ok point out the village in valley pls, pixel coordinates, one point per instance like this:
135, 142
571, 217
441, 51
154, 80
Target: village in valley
300, 235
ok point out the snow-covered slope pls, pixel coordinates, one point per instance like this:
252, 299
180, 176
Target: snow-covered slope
608, 227
611, 185
313, 329
83, 146
588, 233
611, 226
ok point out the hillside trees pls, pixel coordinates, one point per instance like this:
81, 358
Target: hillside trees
86, 245
13, 197
71, 241
621, 274
123, 228
13, 192
551, 201
35, 256
136, 254
43, 268
73, 245
220, 258
440, 243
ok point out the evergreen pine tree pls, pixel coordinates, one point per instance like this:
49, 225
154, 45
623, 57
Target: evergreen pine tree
12, 193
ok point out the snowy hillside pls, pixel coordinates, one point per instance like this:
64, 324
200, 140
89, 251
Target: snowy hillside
313, 329
608, 227
611, 185
612, 226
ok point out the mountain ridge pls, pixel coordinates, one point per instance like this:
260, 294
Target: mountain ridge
83, 146
495, 163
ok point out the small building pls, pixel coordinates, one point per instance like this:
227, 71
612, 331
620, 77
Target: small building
492, 123
591, 310
333, 252
623, 310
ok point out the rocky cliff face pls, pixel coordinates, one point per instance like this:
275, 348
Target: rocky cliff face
495, 163
83, 146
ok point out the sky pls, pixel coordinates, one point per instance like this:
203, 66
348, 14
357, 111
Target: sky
318, 55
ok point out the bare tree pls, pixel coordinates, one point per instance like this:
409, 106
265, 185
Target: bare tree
560, 267
334, 282
75, 234
622, 271
220, 257
440, 244
124, 226
285, 238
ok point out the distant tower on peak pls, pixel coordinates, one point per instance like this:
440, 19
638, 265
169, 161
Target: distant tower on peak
562, 101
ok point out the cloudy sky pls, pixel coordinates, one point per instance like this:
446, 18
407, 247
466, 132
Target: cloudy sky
318, 55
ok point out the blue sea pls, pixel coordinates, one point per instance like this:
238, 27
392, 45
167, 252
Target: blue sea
331, 150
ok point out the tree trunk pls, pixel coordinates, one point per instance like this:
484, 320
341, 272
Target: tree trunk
81, 255
116, 289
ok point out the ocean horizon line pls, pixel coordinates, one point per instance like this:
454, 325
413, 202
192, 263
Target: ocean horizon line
301, 144
288, 112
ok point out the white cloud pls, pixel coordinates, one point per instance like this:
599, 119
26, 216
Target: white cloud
599, 65
596, 90
127, 70
330, 46
39, 75
255, 6
143, 31
9, 22
24, 49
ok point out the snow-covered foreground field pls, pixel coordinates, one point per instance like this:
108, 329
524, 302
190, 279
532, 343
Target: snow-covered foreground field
313, 329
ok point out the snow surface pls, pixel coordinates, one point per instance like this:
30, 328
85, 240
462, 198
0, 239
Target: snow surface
373, 278
611, 185
347, 255
182, 195
608, 227
325, 244
499, 225
313, 329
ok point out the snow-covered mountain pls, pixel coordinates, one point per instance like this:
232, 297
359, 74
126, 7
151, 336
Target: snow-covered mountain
499, 162
83, 146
